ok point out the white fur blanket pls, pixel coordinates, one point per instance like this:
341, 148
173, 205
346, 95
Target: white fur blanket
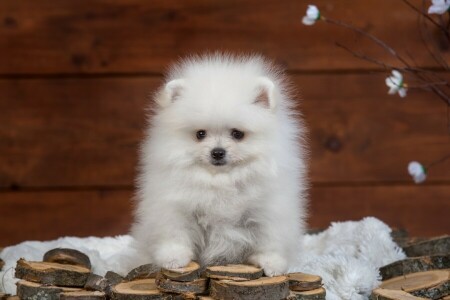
347, 255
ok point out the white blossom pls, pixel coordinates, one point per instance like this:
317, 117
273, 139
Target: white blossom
439, 7
312, 15
396, 84
417, 171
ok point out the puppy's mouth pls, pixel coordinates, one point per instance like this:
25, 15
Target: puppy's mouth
221, 162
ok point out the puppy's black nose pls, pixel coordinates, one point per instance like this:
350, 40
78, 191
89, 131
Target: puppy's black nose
218, 153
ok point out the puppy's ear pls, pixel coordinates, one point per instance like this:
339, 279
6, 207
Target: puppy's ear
265, 93
171, 92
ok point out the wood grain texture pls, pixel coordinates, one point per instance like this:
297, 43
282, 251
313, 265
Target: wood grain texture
86, 132
144, 36
422, 210
49, 215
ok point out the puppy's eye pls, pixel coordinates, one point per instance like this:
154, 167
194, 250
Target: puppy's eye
201, 134
237, 134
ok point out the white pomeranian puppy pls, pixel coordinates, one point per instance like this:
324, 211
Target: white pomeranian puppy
223, 171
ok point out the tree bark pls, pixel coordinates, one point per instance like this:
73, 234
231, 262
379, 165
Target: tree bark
384, 294
263, 288
67, 256
304, 282
198, 286
27, 290
142, 272
434, 246
52, 273
142, 289
316, 294
415, 264
234, 272
430, 284
83, 295
189, 273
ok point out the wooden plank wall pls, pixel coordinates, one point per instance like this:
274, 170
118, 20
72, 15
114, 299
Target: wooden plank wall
75, 78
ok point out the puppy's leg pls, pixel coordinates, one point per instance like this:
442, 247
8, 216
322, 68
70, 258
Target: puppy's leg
172, 254
165, 235
277, 240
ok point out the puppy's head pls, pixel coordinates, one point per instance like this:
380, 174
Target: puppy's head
217, 116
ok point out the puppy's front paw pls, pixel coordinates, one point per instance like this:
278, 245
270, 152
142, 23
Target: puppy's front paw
273, 264
173, 256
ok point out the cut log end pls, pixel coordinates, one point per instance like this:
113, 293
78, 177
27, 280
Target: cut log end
415, 264
430, 284
434, 246
262, 288
234, 272
83, 295
52, 273
304, 282
316, 294
385, 294
146, 271
67, 256
189, 273
32, 290
136, 290
197, 286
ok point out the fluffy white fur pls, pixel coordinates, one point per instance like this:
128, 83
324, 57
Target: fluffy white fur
250, 209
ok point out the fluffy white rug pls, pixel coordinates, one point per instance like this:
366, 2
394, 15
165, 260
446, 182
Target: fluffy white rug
347, 255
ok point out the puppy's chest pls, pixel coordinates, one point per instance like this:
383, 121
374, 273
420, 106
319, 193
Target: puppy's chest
221, 219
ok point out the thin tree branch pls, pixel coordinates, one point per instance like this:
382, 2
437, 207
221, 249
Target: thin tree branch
394, 53
424, 35
445, 30
365, 57
426, 85
442, 159
369, 36
382, 64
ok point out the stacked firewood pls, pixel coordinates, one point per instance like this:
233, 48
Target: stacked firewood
66, 274
425, 274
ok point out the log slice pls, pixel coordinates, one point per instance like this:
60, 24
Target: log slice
195, 287
113, 278
142, 272
430, 284
384, 294
141, 289
304, 282
52, 273
434, 246
189, 273
83, 295
234, 272
316, 294
27, 290
270, 288
414, 265
67, 256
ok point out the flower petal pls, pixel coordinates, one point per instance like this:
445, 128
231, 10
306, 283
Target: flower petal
397, 74
307, 21
393, 90
390, 83
415, 168
312, 12
419, 178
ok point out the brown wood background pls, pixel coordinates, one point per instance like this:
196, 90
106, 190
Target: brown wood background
75, 78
